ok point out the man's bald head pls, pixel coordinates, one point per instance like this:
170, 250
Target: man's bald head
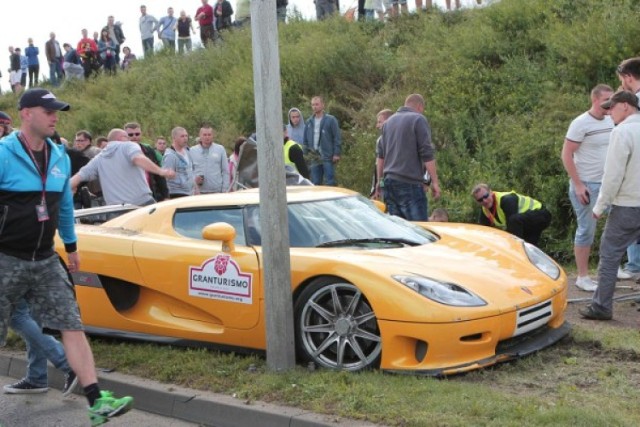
117, 135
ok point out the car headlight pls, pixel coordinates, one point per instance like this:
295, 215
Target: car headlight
442, 292
542, 261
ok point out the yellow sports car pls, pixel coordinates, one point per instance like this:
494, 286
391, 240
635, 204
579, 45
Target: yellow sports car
369, 290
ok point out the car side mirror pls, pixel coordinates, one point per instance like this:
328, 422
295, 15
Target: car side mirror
221, 231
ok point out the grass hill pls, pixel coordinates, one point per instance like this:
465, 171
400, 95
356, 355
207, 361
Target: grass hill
502, 85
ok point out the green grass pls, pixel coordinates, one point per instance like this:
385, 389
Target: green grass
589, 379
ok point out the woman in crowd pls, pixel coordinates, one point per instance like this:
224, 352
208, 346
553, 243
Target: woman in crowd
107, 49
128, 58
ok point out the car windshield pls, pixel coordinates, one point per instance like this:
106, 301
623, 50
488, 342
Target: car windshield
346, 221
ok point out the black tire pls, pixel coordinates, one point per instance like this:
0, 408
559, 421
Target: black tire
336, 327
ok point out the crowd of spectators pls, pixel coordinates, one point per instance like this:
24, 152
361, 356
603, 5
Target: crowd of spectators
106, 51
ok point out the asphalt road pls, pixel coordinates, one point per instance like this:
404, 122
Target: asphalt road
52, 410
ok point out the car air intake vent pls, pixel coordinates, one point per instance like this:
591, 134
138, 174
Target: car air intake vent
533, 317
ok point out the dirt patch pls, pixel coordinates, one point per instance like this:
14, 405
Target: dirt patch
625, 312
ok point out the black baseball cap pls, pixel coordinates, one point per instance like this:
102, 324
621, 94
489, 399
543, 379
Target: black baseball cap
621, 96
41, 98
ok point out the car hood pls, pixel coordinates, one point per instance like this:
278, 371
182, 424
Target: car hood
489, 263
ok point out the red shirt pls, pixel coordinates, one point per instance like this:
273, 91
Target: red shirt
86, 42
208, 15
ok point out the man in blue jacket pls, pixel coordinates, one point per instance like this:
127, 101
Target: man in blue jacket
322, 143
35, 202
32, 52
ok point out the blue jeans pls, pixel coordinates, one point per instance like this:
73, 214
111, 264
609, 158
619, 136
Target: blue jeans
55, 72
586, 229
147, 46
633, 256
184, 44
169, 44
40, 347
322, 170
406, 200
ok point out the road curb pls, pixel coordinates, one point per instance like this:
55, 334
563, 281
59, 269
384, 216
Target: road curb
204, 408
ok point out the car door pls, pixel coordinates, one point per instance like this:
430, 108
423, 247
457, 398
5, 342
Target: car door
197, 279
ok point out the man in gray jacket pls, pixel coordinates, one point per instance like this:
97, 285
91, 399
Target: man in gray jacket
295, 127
620, 194
404, 154
211, 163
120, 170
178, 159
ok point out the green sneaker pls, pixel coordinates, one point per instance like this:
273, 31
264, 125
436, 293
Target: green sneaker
97, 420
108, 406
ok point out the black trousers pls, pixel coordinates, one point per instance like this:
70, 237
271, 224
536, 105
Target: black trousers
34, 72
529, 225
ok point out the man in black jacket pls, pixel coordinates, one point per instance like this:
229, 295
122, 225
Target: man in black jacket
115, 34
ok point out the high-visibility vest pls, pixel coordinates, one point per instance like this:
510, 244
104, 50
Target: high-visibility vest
287, 160
525, 203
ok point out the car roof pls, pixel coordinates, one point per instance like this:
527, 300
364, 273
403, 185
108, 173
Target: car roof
252, 196
295, 194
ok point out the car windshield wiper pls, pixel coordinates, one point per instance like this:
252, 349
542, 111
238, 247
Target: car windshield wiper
348, 242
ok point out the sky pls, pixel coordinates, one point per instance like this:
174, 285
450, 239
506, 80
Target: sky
66, 19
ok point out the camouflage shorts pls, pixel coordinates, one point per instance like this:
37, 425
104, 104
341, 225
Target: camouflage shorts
46, 287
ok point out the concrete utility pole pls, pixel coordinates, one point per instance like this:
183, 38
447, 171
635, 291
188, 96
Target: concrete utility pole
273, 197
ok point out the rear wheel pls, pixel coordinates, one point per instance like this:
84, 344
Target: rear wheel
336, 327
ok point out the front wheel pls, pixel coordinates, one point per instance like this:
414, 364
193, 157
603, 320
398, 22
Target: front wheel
336, 327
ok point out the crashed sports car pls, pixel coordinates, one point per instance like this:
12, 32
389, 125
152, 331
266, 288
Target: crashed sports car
368, 290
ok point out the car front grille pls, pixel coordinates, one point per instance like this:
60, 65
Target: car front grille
533, 317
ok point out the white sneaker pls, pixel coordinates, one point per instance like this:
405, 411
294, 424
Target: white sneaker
624, 274
586, 284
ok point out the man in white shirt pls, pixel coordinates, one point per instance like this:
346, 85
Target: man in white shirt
583, 154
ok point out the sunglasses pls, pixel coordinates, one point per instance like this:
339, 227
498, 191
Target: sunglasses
134, 134
483, 198
620, 69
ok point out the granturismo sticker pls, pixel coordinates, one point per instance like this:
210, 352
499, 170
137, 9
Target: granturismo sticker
220, 278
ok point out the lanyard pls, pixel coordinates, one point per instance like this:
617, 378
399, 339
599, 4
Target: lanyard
42, 173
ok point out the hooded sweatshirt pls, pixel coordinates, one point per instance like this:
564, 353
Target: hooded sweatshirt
296, 133
121, 180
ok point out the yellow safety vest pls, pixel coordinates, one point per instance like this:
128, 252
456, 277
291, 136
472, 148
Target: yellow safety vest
525, 203
287, 161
